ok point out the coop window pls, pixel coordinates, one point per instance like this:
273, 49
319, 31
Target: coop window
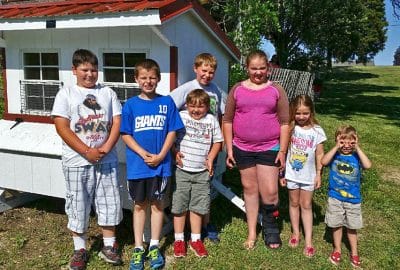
37, 97
124, 90
41, 66
119, 67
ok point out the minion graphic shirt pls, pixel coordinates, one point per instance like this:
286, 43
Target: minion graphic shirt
344, 178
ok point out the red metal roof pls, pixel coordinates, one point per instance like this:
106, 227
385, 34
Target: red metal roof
19, 10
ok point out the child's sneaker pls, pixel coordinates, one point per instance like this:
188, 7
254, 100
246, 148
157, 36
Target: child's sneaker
155, 257
110, 254
78, 260
198, 248
211, 233
179, 249
137, 261
355, 261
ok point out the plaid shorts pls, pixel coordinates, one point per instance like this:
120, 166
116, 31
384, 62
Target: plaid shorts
96, 185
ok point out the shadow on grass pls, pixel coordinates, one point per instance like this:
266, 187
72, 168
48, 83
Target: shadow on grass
343, 97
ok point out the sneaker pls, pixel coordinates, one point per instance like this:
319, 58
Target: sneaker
79, 260
198, 248
155, 257
179, 249
137, 261
211, 233
355, 261
110, 254
335, 257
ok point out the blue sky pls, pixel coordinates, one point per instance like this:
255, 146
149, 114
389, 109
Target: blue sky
384, 57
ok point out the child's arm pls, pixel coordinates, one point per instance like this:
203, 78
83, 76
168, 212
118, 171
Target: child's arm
327, 158
132, 144
228, 134
69, 137
155, 159
283, 142
215, 149
365, 162
319, 153
113, 137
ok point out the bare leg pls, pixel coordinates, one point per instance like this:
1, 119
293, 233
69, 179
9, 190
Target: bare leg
352, 236
307, 215
267, 178
139, 218
108, 231
157, 215
179, 222
337, 239
195, 222
294, 213
251, 199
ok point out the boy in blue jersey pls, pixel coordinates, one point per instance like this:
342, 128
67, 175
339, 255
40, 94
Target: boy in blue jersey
346, 161
148, 128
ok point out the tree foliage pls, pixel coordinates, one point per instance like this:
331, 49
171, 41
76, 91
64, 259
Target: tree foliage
396, 61
302, 30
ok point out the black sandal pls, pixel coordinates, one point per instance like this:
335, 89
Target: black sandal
270, 226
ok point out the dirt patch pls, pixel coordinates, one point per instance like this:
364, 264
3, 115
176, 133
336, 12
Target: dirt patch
391, 174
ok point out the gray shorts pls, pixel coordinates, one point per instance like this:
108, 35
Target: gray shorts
192, 192
346, 214
92, 184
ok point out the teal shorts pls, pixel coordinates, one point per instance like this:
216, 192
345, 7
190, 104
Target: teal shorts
191, 192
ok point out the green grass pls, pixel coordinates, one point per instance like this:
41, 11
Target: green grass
35, 236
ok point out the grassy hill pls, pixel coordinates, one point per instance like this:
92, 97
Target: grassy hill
35, 236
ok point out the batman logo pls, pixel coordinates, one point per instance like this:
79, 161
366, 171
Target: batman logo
344, 168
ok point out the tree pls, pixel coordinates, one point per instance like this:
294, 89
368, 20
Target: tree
396, 61
306, 28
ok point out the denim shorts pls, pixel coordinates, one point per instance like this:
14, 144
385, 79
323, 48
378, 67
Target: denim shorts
246, 159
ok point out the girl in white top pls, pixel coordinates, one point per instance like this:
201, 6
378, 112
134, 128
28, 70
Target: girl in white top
303, 169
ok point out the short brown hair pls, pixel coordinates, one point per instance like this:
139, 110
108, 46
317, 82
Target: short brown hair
147, 64
198, 96
346, 131
82, 56
205, 59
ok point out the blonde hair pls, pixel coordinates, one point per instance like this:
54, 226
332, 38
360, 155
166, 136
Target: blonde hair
198, 96
205, 59
296, 103
346, 132
256, 54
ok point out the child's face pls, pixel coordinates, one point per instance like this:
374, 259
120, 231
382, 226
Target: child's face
204, 74
197, 110
147, 80
302, 116
257, 70
86, 75
346, 145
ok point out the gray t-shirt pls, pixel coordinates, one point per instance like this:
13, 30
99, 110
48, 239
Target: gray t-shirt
217, 96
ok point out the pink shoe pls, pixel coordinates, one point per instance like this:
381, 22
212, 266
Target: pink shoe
355, 261
335, 257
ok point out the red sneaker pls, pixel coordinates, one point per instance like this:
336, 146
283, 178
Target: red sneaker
179, 249
198, 248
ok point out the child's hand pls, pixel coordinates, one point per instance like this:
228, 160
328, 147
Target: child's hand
281, 158
153, 160
93, 155
282, 182
178, 159
210, 167
317, 181
230, 161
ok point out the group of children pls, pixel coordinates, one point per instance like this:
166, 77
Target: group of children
89, 119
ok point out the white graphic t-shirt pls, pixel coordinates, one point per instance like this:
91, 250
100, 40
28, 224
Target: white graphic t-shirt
90, 112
